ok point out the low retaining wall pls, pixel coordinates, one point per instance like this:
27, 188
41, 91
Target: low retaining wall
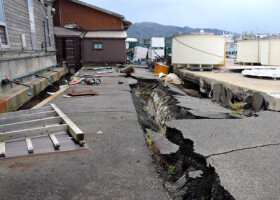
223, 91
16, 97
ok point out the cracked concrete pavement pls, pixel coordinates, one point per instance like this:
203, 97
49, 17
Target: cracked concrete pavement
118, 164
243, 152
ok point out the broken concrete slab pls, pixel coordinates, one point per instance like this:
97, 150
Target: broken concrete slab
228, 97
217, 92
251, 174
257, 101
162, 143
174, 89
202, 108
243, 152
195, 174
208, 115
223, 96
211, 137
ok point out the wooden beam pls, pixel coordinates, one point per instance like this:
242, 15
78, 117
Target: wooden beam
29, 145
28, 117
2, 149
50, 98
33, 132
77, 133
30, 124
25, 112
54, 141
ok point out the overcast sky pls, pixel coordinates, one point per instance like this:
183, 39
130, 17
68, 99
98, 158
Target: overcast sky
230, 15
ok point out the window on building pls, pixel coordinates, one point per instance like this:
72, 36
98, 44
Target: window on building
97, 45
32, 24
4, 41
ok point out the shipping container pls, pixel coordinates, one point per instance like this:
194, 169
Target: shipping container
198, 49
270, 52
248, 51
265, 52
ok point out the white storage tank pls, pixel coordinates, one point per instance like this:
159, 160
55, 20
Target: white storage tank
248, 51
157, 42
198, 49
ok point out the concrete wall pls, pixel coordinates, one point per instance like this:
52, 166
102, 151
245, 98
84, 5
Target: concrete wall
16, 67
113, 51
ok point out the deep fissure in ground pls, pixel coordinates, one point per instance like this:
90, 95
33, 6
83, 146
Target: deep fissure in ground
185, 173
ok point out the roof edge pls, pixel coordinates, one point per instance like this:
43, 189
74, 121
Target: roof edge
99, 9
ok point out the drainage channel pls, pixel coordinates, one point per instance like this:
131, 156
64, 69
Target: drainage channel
50, 90
185, 174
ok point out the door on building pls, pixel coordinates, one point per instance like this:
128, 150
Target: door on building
70, 59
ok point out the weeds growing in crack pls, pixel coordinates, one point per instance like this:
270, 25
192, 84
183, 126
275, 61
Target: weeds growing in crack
171, 171
237, 107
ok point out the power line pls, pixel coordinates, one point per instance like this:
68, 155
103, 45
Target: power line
198, 49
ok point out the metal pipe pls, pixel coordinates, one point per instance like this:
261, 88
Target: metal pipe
37, 75
20, 83
32, 73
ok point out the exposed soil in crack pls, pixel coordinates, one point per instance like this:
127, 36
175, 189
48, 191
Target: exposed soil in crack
186, 174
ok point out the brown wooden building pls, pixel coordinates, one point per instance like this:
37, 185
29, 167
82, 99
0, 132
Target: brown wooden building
103, 32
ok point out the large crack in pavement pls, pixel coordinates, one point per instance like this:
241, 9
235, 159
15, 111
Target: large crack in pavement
220, 155
185, 173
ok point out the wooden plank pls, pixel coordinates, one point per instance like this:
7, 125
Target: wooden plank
50, 98
25, 112
54, 141
29, 145
30, 124
77, 133
33, 132
2, 149
29, 117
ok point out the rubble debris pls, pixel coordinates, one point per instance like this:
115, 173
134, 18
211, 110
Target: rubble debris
99, 132
195, 174
161, 75
162, 143
173, 78
128, 70
82, 93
